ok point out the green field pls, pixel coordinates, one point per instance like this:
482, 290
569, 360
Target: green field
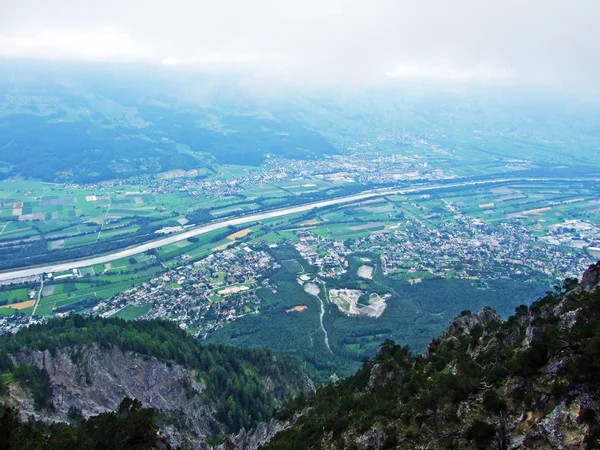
537, 206
14, 295
132, 312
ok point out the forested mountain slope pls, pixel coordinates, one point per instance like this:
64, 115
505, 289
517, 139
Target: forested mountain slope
87, 123
96, 123
130, 427
77, 367
529, 382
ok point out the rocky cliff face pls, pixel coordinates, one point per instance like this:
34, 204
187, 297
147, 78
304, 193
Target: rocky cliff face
78, 367
256, 437
590, 278
532, 381
94, 380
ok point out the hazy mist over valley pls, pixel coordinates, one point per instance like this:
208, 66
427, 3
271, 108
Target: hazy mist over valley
288, 225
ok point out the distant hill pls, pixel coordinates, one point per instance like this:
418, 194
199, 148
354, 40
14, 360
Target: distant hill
91, 124
529, 382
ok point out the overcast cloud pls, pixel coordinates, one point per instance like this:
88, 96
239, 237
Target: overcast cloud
333, 41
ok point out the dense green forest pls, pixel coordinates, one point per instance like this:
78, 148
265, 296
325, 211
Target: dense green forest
414, 314
234, 376
130, 427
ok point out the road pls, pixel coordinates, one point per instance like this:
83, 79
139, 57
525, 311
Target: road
314, 290
4, 227
246, 219
322, 314
39, 296
105, 217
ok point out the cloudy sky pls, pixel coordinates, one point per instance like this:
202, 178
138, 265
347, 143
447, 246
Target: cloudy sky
332, 41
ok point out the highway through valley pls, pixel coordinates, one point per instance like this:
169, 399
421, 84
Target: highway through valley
252, 218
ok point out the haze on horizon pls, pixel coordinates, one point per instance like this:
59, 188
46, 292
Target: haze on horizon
553, 43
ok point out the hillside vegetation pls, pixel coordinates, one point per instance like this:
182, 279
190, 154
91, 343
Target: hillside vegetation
235, 387
113, 125
528, 382
130, 427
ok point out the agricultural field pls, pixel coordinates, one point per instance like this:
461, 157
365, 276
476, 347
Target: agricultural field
132, 312
539, 207
343, 222
43, 222
67, 291
11, 296
92, 284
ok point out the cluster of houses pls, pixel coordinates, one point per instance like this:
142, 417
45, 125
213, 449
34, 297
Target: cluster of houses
201, 296
328, 255
359, 165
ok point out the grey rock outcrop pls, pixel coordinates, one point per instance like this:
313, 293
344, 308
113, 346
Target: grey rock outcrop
464, 324
528, 382
591, 277
256, 437
94, 380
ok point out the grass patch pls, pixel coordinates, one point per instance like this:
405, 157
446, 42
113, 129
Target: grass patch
132, 312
